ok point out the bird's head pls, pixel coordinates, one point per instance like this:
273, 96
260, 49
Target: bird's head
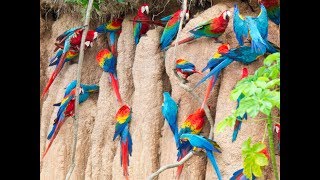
180, 61
224, 48
187, 15
101, 28
123, 113
184, 137
144, 8
91, 36
226, 15
244, 73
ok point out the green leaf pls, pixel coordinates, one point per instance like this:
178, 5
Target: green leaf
258, 147
246, 145
249, 105
272, 83
256, 170
261, 84
261, 159
271, 58
247, 171
265, 79
229, 121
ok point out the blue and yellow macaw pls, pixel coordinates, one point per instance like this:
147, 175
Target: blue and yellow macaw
239, 119
169, 111
171, 29
123, 117
210, 146
66, 108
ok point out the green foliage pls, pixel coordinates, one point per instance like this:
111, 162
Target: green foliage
253, 158
261, 92
84, 3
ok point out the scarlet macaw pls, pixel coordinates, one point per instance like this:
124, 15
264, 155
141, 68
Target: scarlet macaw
186, 68
123, 118
114, 30
66, 108
209, 145
193, 124
239, 119
171, 29
213, 28
140, 28
273, 10
108, 62
212, 63
71, 54
169, 111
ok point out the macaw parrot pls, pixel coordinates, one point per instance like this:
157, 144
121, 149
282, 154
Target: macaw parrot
123, 118
209, 145
186, 68
213, 28
169, 111
239, 119
193, 124
255, 27
108, 63
238, 175
70, 40
212, 63
273, 10
66, 109
241, 54
71, 54
114, 30
171, 29
140, 28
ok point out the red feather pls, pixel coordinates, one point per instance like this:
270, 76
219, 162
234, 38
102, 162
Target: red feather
115, 86
125, 158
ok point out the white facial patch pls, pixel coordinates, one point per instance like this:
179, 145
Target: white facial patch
87, 43
187, 16
143, 9
147, 9
95, 35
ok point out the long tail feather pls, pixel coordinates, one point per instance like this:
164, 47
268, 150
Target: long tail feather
183, 150
209, 88
112, 43
214, 164
175, 134
179, 169
115, 86
60, 123
188, 39
124, 157
54, 74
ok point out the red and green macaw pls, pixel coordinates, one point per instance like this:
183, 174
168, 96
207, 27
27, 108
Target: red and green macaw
66, 108
193, 124
239, 119
213, 28
254, 27
123, 118
273, 9
108, 62
140, 28
209, 145
186, 68
171, 29
71, 54
212, 63
169, 111
113, 27
71, 40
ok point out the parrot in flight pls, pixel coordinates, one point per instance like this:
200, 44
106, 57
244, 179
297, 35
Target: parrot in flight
212, 63
213, 28
140, 28
239, 119
108, 62
171, 29
254, 27
169, 111
123, 118
238, 175
273, 9
113, 28
241, 54
186, 68
66, 108
210, 146
193, 124
71, 40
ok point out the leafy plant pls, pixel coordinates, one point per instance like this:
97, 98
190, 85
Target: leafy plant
253, 158
84, 3
261, 94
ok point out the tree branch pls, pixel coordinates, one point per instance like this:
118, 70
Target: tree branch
76, 117
169, 166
